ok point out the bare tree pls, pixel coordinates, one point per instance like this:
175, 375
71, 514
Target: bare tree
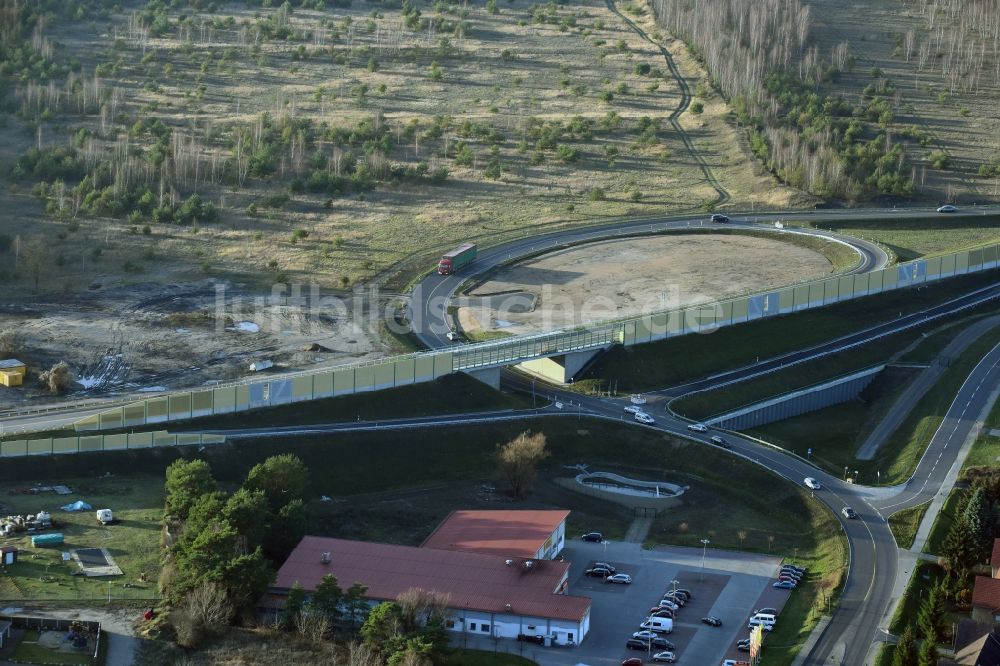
57, 378
34, 258
517, 461
417, 607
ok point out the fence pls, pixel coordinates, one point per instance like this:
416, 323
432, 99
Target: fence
93, 443
810, 399
426, 366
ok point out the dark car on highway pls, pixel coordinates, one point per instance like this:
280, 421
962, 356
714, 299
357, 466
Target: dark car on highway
719, 217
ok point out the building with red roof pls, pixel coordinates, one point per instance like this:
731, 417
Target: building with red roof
986, 599
500, 582
539, 535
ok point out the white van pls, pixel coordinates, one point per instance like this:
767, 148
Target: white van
662, 625
768, 618
755, 621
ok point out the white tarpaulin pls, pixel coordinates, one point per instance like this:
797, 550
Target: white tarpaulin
78, 505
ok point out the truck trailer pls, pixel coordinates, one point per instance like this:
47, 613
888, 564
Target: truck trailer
454, 260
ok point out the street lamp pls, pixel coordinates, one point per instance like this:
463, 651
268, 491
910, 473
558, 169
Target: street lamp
845, 472
704, 547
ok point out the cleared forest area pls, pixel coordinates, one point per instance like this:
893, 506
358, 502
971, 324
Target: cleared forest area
857, 100
154, 141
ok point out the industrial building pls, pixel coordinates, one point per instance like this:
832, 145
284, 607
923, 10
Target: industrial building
485, 561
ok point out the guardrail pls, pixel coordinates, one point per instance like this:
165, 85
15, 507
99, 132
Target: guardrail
377, 374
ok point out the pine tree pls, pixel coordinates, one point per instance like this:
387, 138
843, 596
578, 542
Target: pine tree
928, 653
906, 649
931, 614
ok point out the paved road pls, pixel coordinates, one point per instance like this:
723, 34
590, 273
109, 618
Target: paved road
919, 387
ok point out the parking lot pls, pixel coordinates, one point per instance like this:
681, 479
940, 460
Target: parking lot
732, 585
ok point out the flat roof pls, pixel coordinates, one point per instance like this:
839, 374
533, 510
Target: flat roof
509, 533
472, 581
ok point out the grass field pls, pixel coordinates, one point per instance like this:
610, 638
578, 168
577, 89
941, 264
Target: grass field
32, 653
904, 524
702, 405
466, 91
40, 573
986, 449
672, 361
913, 238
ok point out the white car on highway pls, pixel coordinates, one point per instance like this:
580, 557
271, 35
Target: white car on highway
698, 427
811, 483
638, 399
643, 417
633, 409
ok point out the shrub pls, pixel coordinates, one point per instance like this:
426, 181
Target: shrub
596, 194
697, 107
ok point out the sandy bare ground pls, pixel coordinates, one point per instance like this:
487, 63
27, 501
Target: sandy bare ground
150, 337
627, 277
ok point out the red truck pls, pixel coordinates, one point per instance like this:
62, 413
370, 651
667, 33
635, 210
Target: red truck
454, 260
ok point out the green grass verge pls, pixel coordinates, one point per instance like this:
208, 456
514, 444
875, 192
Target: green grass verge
943, 522
925, 576
134, 541
904, 524
833, 433
32, 653
899, 455
447, 395
463, 657
885, 655
668, 362
917, 237
985, 452
705, 404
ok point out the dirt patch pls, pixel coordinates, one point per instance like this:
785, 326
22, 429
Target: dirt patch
628, 277
149, 338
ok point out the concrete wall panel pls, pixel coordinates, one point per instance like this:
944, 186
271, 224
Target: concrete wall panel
962, 262
70, 444
281, 391
343, 382
786, 300
323, 385
140, 440
225, 400
13, 448
302, 387
112, 419
443, 364
404, 371
38, 447
93, 443
113, 442
740, 309
363, 379
642, 331
385, 375
163, 438
242, 397
423, 368
800, 297
135, 414
202, 403
948, 264
180, 406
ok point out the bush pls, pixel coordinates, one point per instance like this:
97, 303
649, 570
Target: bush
697, 107
596, 194
939, 159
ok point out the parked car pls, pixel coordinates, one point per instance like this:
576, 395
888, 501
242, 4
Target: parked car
623, 579
947, 208
636, 644
811, 483
632, 661
598, 572
668, 603
711, 621
735, 662
718, 441
667, 657
743, 647
764, 611
643, 417
719, 217
594, 537
663, 644
662, 612
849, 513
605, 565
784, 585
644, 635
633, 409
793, 566
698, 427
743, 641
788, 579
677, 599
685, 592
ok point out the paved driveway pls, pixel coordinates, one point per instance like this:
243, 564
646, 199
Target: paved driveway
731, 586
